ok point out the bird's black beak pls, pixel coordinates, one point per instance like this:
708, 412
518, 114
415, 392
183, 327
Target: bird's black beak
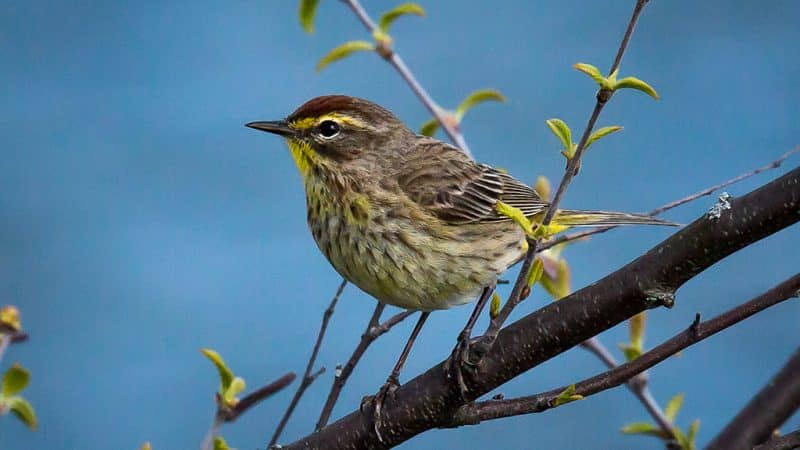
279, 127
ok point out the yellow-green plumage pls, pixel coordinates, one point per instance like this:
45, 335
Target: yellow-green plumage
406, 218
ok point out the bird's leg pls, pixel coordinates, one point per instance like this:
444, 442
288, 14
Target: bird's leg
394, 378
460, 353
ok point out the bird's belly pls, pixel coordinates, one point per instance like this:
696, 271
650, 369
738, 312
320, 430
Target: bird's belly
416, 265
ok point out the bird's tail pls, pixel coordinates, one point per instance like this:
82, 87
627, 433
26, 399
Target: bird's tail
574, 218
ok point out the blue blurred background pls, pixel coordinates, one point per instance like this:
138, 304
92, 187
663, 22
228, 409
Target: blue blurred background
140, 221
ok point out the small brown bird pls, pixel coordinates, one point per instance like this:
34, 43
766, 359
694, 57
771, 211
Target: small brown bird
409, 219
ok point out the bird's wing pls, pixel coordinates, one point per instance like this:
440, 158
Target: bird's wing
446, 182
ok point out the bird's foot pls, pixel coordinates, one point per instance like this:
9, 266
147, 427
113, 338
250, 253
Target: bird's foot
466, 356
377, 402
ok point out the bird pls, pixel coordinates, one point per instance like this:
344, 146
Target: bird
409, 219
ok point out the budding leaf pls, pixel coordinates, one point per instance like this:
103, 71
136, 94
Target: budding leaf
390, 16
592, 71
15, 380
306, 12
535, 274
635, 83
22, 409
674, 405
479, 96
631, 352
692, 434
568, 395
542, 187
516, 215
229, 396
494, 306
225, 374
683, 440
600, 133
562, 132
220, 444
644, 428
558, 286
9, 317
344, 51
636, 328
429, 128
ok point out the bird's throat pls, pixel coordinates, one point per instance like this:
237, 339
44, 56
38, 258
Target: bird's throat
305, 158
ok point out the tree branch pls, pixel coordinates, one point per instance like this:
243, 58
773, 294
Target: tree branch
429, 400
393, 58
573, 164
765, 412
309, 376
697, 331
786, 442
675, 203
374, 330
256, 397
638, 385
225, 413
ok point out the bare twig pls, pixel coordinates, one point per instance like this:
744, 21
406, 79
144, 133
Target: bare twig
226, 414
638, 385
19, 336
309, 375
256, 397
374, 330
393, 58
786, 442
765, 412
602, 97
5, 341
474, 413
674, 204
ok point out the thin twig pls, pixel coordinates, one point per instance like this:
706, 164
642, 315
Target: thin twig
602, 97
674, 204
213, 431
474, 413
374, 330
227, 414
5, 341
256, 397
309, 375
638, 385
393, 58
19, 336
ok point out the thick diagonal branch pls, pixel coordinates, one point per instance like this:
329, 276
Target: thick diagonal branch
698, 331
429, 400
773, 404
786, 442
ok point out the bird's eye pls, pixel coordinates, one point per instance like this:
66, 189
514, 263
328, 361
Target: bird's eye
329, 128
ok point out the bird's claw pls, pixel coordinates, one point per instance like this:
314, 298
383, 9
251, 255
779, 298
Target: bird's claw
458, 362
377, 401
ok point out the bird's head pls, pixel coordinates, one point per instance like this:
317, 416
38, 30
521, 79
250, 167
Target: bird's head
337, 131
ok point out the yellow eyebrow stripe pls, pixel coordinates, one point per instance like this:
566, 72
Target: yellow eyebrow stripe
311, 122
